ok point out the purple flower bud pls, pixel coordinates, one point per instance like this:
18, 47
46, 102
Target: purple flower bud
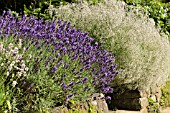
54, 68
84, 80
64, 85
82, 69
71, 84
70, 95
108, 98
24, 83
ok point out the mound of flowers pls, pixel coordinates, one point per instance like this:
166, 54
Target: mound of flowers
63, 64
141, 52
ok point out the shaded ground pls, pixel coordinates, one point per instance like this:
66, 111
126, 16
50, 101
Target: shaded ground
167, 110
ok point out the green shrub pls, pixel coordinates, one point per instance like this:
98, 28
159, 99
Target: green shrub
142, 55
165, 98
37, 7
153, 106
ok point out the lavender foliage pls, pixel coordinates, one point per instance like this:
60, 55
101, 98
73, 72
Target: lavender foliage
64, 40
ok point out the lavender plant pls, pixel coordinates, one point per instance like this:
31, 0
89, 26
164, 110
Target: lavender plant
63, 64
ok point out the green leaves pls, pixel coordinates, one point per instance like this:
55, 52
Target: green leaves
2, 93
158, 10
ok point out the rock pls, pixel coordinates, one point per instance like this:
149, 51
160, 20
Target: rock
98, 100
143, 102
94, 103
153, 97
60, 109
131, 100
144, 110
102, 106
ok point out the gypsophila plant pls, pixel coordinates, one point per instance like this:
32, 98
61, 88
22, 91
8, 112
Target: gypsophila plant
64, 66
13, 71
141, 53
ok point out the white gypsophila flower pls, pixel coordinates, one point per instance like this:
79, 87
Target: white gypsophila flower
12, 63
24, 49
22, 61
10, 68
1, 47
19, 74
17, 57
26, 69
2, 64
27, 61
16, 60
7, 73
7, 55
22, 65
16, 67
15, 51
8, 62
10, 46
20, 43
14, 83
20, 57
13, 75
22, 70
25, 75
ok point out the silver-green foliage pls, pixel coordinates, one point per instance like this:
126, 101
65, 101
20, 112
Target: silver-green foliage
141, 53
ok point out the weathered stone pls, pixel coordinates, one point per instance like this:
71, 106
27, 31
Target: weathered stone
98, 100
102, 106
60, 109
143, 102
94, 103
144, 110
153, 97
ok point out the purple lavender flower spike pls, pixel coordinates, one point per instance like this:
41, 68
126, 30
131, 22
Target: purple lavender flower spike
84, 80
64, 85
71, 84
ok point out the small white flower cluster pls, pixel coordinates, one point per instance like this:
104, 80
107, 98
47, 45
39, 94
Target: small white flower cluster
51, 11
12, 62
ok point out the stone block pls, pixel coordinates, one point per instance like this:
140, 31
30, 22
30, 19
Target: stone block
99, 101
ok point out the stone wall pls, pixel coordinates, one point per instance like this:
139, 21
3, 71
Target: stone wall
96, 104
134, 100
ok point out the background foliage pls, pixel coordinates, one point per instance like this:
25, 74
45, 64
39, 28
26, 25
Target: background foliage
159, 10
36, 7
